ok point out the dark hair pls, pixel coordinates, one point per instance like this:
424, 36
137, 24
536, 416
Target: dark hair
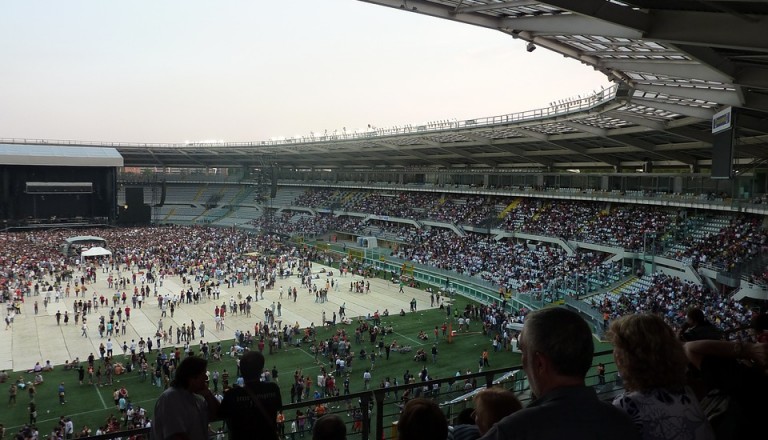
251, 365
563, 336
188, 368
465, 417
422, 419
329, 427
696, 315
759, 322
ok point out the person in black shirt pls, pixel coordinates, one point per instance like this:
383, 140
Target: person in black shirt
252, 408
697, 327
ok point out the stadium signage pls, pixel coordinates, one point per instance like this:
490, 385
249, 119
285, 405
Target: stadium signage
721, 121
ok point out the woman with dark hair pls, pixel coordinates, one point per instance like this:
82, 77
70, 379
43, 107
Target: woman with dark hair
422, 419
184, 409
329, 427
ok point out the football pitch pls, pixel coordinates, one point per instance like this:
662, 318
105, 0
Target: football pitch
91, 405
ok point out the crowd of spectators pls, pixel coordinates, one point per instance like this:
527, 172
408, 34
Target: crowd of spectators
738, 242
671, 297
633, 228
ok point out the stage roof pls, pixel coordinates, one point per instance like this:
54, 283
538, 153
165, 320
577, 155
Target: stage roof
58, 155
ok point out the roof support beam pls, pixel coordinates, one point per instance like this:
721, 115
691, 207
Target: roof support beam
471, 157
687, 110
677, 69
568, 24
608, 12
415, 153
628, 141
724, 97
708, 56
568, 146
690, 133
600, 132
756, 101
709, 29
509, 150
637, 120
439, 11
491, 6
752, 76
651, 148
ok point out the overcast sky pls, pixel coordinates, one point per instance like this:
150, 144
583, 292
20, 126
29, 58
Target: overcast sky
193, 70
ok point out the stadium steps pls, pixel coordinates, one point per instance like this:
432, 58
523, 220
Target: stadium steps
170, 214
240, 196
348, 197
541, 210
512, 206
232, 206
199, 193
617, 290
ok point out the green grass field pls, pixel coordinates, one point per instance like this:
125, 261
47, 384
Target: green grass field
91, 405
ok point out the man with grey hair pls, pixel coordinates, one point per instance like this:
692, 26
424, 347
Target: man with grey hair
557, 352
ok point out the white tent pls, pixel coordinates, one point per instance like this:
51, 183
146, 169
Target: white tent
96, 251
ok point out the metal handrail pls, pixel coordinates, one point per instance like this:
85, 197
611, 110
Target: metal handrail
562, 107
379, 412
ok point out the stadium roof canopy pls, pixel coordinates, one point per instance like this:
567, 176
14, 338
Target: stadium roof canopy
674, 63
54, 155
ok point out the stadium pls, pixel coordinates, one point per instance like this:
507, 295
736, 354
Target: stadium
646, 196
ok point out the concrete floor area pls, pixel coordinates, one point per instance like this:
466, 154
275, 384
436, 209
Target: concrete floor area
37, 338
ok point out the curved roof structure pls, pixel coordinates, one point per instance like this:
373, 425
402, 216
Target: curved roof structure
675, 63
685, 56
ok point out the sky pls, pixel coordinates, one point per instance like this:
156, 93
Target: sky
176, 71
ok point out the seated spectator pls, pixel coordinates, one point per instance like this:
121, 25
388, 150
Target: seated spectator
48, 366
652, 364
463, 427
37, 368
236, 350
422, 419
329, 427
38, 379
420, 356
493, 404
423, 336
3, 376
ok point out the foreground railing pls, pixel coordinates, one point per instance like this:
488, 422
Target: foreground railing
373, 414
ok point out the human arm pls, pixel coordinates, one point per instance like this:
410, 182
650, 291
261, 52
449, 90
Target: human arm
696, 351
